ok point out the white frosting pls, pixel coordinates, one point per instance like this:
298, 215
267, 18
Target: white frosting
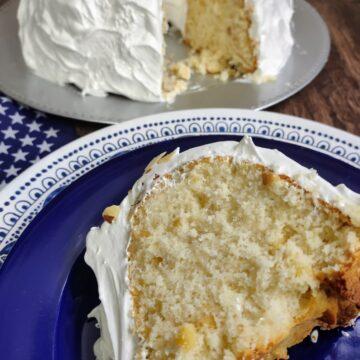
176, 11
113, 46
106, 247
106, 254
116, 46
271, 29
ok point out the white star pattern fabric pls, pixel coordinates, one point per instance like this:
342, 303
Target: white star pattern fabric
33, 126
44, 146
17, 118
26, 136
27, 140
9, 133
2, 109
19, 155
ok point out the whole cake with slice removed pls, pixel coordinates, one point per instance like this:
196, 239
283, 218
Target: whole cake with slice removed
224, 251
118, 46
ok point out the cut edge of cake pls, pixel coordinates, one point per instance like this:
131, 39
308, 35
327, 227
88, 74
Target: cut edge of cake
228, 43
346, 285
101, 53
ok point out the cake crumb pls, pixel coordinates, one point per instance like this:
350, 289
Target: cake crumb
314, 336
181, 70
173, 86
224, 75
111, 213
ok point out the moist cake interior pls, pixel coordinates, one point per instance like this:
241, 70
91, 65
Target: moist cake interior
217, 35
229, 260
220, 36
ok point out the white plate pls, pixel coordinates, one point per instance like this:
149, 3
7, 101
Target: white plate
312, 45
23, 198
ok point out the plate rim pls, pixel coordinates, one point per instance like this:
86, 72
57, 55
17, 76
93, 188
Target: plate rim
297, 86
70, 253
134, 133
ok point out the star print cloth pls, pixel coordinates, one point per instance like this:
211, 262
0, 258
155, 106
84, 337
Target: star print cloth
26, 136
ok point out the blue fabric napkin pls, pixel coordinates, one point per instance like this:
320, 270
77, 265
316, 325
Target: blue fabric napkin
27, 135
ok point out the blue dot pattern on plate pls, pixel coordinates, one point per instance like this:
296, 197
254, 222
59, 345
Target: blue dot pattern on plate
29, 198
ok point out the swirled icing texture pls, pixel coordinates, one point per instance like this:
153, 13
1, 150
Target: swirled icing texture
116, 46
106, 247
113, 46
272, 30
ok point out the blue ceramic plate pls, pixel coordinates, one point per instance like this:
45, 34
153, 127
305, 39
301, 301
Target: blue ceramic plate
46, 290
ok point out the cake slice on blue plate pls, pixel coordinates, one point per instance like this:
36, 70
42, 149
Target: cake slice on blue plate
224, 251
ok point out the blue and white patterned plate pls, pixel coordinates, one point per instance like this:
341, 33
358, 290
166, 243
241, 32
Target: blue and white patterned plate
46, 291
22, 199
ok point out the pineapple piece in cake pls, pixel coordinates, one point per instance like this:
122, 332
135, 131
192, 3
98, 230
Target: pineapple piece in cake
186, 338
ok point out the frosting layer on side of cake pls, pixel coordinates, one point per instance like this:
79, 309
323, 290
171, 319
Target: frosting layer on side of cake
117, 46
272, 30
176, 11
107, 246
102, 47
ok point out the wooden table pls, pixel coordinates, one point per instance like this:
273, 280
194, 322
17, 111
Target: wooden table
333, 97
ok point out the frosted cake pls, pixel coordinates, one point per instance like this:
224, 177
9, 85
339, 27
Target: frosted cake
224, 251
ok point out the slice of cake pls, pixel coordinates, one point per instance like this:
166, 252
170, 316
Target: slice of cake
117, 46
224, 251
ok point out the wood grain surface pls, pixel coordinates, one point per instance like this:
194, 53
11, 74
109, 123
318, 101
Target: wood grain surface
333, 97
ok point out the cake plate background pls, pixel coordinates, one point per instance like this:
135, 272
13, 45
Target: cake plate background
310, 53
